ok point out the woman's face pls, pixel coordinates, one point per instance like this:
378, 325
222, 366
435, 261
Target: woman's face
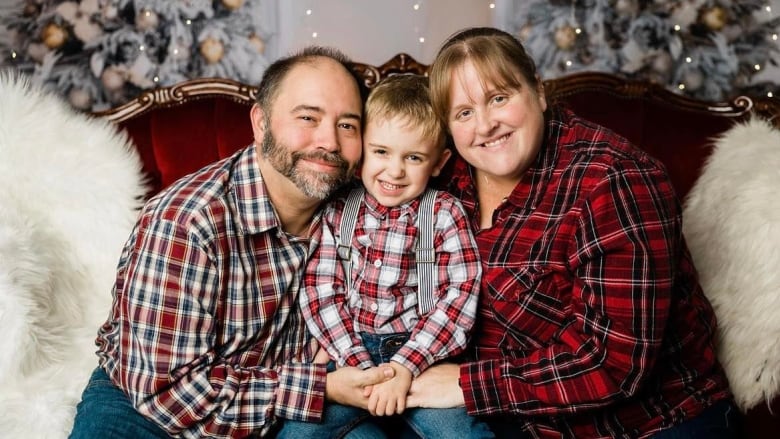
499, 132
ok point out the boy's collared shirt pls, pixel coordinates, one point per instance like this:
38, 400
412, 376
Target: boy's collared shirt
384, 278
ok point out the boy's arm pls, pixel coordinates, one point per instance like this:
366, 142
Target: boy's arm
323, 301
444, 331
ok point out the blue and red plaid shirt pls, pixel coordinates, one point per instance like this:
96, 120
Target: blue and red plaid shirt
204, 334
591, 321
383, 299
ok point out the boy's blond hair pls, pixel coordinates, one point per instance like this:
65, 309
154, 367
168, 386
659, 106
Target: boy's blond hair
405, 97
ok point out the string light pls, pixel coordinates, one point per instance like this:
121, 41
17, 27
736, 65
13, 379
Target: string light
13, 54
416, 6
769, 94
492, 6
314, 34
677, 28
681, 86
568, 63
141, 47
422, 39
757, 67
308, 12
188, 22
156, 79
688, 59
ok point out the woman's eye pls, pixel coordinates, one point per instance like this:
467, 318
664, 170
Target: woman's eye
463, 115
499, 99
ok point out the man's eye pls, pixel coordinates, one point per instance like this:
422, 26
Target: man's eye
348, 126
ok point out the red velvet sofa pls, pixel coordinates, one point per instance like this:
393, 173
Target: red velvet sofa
179, 129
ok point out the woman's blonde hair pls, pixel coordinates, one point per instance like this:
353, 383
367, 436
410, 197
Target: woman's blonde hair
405, 97
497, 56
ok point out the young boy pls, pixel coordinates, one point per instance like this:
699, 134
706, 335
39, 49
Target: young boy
362, 299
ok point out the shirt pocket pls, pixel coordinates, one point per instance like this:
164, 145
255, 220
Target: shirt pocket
528, 303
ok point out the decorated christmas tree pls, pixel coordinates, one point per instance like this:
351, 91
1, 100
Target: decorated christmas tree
101, 53
708, 49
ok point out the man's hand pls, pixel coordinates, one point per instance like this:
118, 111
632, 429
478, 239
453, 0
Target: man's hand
437, 387
351, 386
389, 398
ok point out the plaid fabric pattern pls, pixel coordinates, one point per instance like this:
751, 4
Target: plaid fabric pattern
384, 279
204, 334
592, 322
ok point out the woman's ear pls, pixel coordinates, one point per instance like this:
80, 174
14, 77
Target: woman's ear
445, 155
540, 93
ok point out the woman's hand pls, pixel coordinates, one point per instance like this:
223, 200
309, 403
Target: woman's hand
437, 387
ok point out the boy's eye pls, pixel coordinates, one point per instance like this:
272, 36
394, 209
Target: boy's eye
415, 158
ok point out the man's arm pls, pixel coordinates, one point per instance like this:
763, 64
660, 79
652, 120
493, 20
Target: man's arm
179, 361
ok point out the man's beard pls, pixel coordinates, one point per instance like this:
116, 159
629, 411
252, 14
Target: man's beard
313, 184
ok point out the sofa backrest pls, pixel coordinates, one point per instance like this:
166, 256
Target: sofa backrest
181, 128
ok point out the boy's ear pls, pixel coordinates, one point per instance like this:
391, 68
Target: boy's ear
445, 155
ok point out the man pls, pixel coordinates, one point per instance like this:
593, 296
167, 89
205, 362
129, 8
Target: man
203, 338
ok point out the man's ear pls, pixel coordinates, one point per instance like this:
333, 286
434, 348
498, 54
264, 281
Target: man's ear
445, 155
257, 116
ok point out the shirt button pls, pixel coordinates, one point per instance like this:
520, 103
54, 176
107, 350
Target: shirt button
377, 263
374, 306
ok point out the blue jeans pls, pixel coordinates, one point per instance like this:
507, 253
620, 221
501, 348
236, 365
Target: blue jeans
719, 421
340, 421
106, 412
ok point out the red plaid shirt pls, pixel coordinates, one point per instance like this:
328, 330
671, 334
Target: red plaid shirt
384, 278
592, 322
205, 334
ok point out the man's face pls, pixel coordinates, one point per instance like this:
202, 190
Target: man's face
312, 136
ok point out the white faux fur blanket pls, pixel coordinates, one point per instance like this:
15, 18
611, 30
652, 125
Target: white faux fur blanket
732, 224
70, 188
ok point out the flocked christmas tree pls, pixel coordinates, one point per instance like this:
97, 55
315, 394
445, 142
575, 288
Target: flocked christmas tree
101, 53
708, 49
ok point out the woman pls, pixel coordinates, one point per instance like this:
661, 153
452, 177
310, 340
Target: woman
592, 322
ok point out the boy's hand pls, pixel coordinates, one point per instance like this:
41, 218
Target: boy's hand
389, 398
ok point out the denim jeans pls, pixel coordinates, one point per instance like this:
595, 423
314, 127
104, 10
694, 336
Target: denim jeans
340, 421
720, 421
106, 412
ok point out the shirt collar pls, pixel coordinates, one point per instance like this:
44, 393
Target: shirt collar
380, 211
256, 214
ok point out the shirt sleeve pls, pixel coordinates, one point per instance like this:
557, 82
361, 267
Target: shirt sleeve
324, 301
444, 331
621, 250
172, 366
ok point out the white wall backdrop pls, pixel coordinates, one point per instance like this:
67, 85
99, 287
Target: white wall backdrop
373, 31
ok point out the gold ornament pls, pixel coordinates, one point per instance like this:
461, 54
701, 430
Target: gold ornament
258, 43
212, 50
147, 20
31, 9
54, 36
565, 37
232, 4
113, 78
714, 18
525, 32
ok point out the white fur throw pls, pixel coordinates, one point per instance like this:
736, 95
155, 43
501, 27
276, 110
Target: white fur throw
732, 224
70, 189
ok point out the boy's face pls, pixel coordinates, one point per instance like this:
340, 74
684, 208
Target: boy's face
398, 161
